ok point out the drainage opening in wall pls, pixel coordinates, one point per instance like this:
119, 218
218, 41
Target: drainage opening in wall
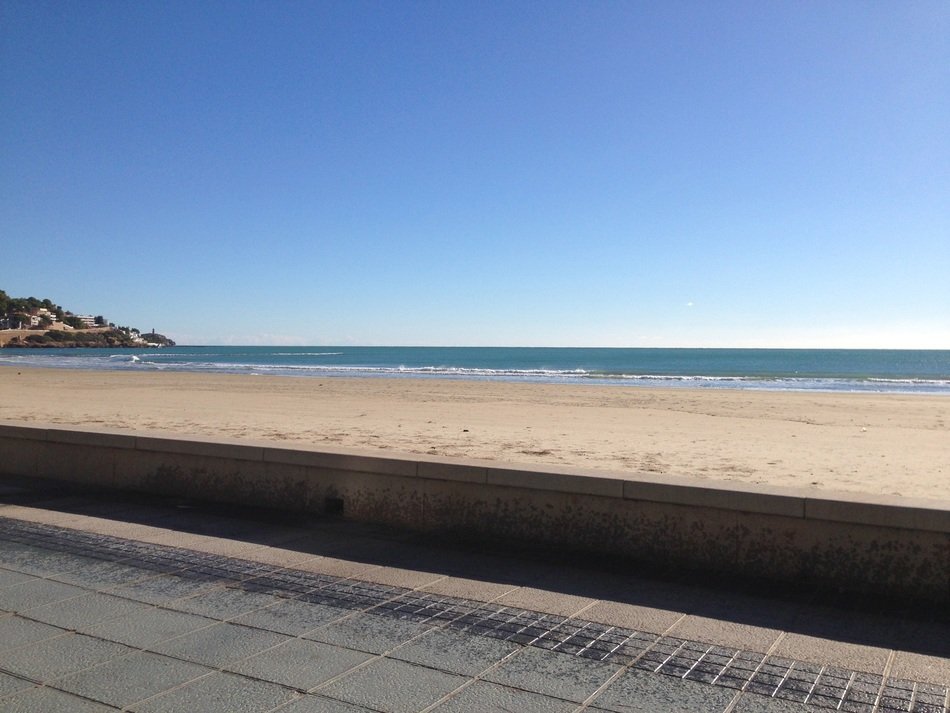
333, 506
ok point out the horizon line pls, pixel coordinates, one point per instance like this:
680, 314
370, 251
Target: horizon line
509, 346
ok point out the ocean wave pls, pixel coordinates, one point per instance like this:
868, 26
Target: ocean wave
912, 381
251, 361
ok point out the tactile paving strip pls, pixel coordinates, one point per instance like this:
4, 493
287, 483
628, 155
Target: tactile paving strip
812, 685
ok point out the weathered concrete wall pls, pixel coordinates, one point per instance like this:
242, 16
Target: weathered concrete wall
862, 543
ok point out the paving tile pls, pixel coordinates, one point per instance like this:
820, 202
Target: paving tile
545, 601
469, 588
319, 704
292, 617
836, 653
103, 575
37, 592
87, 611
219, 645
335, 567
205, 543
366, 632
219, 692
485, 696
38, 561
300, 663
165, 588
121, 682
454, 651
632, 616
17, 631
725, 633
11, 684
932, 669
752, 703
553, 674
8, 577
49, 700
644, 692
52, 658
398, 577
225, 603
393, 686
148, 628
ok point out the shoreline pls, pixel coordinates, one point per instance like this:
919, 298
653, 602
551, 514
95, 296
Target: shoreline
816, 370
881, 444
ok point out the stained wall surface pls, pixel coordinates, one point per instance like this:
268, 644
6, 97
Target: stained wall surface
894, 547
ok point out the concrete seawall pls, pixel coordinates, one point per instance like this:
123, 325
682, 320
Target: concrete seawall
892, 547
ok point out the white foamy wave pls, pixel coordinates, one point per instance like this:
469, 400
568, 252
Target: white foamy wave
414, 363
912, 382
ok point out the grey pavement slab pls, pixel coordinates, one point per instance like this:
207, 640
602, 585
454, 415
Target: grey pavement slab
38, 561
35, 593
87, 611
8, 577
103, 575
120, 682
148, 628
553, 674
393, 686
165, 588
292, 617
220, 644
485, 696
643, 692
300, 663
454, 651
225, 603
319, 704
16, 631
49, 700
51, 658
219, 692
753, 703
11, 684
368, 632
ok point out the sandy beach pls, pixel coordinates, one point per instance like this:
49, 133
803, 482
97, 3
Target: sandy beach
885, 444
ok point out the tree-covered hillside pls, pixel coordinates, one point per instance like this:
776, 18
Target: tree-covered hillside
43, 323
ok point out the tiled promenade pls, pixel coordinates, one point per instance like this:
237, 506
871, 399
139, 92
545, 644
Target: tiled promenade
114, 603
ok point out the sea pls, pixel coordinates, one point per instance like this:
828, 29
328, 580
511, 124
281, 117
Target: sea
840, 370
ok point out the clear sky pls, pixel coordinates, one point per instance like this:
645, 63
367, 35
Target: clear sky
482, 173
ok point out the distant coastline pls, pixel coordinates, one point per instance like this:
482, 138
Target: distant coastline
32, 323
94, 338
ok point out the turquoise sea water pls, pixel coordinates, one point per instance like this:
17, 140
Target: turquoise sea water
903, 371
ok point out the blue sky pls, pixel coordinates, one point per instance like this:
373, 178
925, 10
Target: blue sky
483, 173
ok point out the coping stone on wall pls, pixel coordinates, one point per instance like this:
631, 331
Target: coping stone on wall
104, 439
216, 448
356, 461
909, 513
30, 433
